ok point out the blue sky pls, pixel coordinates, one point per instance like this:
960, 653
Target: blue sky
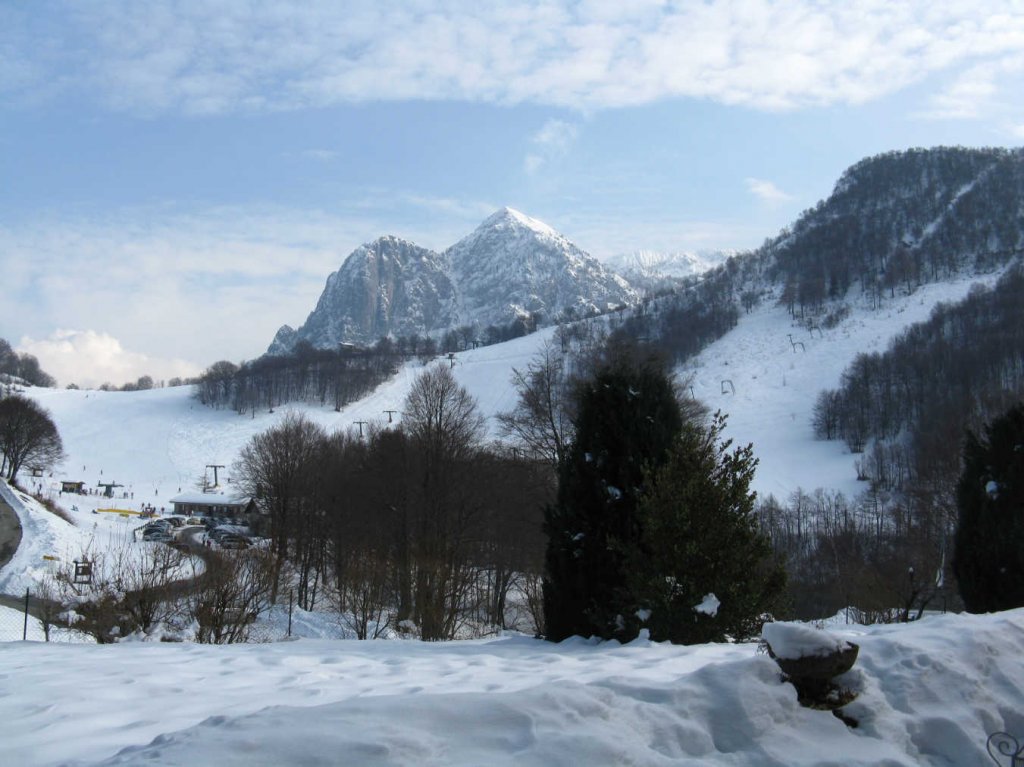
179, 178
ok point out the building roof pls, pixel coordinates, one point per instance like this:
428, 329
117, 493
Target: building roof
211, 499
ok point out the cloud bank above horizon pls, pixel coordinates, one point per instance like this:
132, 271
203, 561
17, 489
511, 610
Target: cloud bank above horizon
89, 359
190, 57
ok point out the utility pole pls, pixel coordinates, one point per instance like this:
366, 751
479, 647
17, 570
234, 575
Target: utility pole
451, 359
360, 424
390, 414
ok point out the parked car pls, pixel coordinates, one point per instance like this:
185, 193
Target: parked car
219, 532
157, 536
233, 542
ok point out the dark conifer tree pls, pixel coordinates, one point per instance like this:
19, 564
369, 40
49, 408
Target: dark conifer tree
989, 554
700, 538
627, 417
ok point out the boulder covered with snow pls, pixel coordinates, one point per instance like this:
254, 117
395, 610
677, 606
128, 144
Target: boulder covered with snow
809, 657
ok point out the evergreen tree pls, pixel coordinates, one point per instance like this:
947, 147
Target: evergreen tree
989, 549
627, 416
700, 537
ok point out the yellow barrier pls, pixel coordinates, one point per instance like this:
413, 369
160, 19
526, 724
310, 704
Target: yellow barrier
51, 558
122, 512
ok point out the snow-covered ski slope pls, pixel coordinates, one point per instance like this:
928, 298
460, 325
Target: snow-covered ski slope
157, 443
776, 383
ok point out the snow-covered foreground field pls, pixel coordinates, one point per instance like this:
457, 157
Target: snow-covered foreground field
929, 693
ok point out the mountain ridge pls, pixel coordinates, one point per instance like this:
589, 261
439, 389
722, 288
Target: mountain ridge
510, 267
654, 270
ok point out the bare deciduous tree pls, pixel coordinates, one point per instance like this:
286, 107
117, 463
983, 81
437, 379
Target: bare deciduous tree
275, 467
540, 421
235, 590
28, 436
442, 416
129, 591
445, 429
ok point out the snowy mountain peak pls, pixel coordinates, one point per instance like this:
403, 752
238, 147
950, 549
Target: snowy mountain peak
654, 270
510, 266
514, 265
675, 264
510, 217
284, 340
389, 240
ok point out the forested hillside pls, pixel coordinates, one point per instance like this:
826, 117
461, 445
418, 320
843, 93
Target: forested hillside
904, 412
901, 219
909, 407
310, 375
893, 222
24, 367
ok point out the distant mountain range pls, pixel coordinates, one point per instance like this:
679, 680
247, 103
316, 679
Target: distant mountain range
511, 266
901, 218
653, 270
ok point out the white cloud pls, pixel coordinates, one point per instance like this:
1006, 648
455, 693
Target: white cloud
473, 210
766, 191
199, 286
190, 285
556, 135
320, 155
89, 359
552, 141
202, 58
965, 96
977, 91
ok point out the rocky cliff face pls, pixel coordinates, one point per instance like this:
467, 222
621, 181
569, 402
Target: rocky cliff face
511, 265
386, 287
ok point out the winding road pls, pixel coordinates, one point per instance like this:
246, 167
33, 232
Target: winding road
10, 539
10, 532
